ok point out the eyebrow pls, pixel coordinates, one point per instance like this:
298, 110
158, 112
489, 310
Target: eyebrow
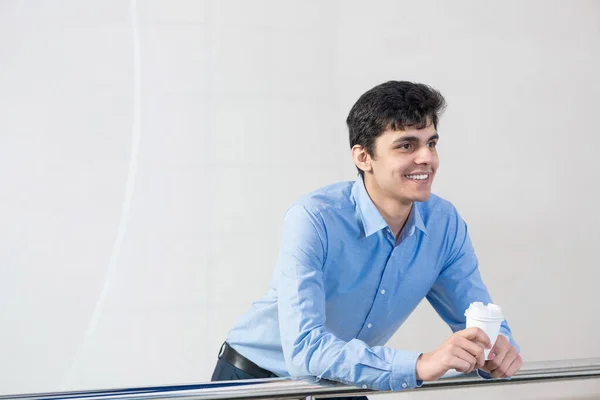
413, 139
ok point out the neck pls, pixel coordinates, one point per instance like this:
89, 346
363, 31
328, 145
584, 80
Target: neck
394, 212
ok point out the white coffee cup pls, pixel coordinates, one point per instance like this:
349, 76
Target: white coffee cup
487, 318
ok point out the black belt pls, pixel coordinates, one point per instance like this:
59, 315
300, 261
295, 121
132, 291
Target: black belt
234, 358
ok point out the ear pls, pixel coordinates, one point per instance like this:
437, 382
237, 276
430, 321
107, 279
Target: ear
361, 158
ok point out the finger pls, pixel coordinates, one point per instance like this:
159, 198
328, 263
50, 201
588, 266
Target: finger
506, 363
501, 346
466, 356
476, 334
481, 360
476, 349
493, 365
514, 367
498, 354
473, 348
459, 364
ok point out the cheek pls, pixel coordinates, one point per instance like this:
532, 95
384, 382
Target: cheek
435, 160
401, 165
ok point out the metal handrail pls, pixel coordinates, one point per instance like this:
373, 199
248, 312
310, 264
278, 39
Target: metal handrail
294, 388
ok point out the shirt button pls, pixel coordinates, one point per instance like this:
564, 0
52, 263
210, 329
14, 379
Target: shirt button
404, 385
382, 291
368, 326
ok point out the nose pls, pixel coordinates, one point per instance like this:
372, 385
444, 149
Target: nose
423, 156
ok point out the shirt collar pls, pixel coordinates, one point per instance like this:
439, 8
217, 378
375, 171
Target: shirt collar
415, 220
371, 218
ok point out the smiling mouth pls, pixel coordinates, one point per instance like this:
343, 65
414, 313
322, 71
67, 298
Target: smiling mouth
418, 177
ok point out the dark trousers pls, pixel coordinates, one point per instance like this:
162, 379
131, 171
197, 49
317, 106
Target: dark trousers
227, 372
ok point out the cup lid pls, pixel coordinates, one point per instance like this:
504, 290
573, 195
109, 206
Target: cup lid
490, 311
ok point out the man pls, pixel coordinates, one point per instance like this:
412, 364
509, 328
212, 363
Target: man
357, 257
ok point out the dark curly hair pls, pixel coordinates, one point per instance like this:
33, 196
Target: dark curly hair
392, 105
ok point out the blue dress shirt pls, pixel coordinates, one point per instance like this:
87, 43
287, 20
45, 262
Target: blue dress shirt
343, 285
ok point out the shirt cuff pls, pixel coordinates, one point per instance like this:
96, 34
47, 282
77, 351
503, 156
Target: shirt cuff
486, 375
483, 374
404, 370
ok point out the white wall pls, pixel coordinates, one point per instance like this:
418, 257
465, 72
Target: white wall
127, 251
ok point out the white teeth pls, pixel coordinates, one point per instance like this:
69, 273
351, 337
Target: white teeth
418, 177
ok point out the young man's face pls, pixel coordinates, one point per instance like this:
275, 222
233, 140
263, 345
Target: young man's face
405, 163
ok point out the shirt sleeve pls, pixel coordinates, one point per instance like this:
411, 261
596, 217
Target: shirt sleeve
308, 348
459, 283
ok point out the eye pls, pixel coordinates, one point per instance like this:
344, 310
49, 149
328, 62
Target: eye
432, 144
405, 146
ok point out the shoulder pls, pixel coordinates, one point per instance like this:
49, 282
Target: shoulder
322, 208
309, 217
337, 196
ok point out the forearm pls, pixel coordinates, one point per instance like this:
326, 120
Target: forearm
321, 354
